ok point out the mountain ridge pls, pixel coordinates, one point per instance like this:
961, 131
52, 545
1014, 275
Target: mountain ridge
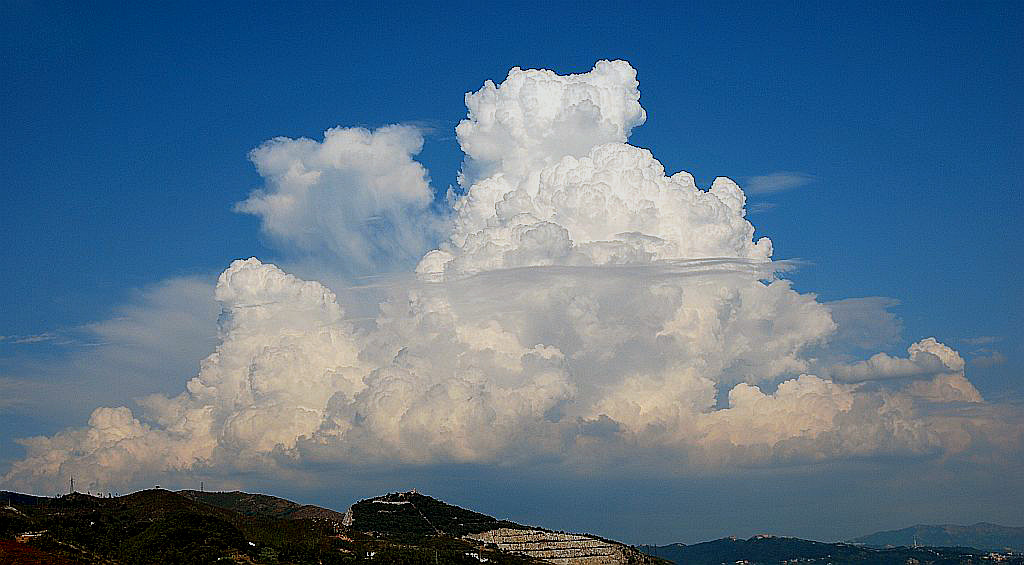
780, 549
980, 535
161, 526
188, 526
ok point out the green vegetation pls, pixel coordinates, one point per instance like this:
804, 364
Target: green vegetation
183, 538
159, 526
409, 515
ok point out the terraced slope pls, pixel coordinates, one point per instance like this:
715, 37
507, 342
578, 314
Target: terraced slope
561, 548
406, 514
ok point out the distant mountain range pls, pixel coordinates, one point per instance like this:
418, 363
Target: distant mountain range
160, 526
990, 537
771, 549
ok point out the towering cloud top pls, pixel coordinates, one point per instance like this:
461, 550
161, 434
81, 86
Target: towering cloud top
537, 116
561, 187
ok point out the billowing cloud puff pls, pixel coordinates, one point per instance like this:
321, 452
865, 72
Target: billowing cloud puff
284, 352
936, 368
583, 304
563, 188
613, 206
926, 358
357, 197
536, 116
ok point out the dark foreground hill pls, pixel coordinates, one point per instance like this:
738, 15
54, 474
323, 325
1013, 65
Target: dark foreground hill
991, 537
772, 549
160, 526
262, 505
186, 527
408, 515
414, 514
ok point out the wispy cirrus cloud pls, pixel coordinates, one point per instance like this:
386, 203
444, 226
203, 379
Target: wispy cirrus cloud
760, 207
26, 339
777, 182
985, 358
10, 392
146, 344
981, 340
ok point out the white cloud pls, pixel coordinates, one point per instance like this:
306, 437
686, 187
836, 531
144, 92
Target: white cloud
777, 182
926, 358
583, 307
357, 199
613, 206
536, 116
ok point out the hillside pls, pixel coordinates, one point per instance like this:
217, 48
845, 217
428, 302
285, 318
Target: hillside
144, 527
990, 537
414, 514
262, 505
160, 526
405, 515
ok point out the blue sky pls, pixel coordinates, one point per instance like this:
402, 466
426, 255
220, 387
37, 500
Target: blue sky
891, 134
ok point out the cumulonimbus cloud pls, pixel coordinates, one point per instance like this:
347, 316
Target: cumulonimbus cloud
582, 304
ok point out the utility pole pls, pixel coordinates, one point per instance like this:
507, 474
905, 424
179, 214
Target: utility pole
71, 490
